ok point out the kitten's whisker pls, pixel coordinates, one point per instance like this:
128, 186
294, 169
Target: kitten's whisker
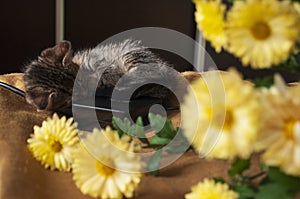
98, 108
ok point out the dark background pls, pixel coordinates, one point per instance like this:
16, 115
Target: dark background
28, 27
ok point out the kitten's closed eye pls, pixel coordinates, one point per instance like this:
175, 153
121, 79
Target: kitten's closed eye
39, 97
46, 100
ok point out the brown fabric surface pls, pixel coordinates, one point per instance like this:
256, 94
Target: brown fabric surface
22, 177
14, 79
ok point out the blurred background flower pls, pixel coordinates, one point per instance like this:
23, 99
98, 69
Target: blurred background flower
261, 33
210, 17
225, 115
280, 137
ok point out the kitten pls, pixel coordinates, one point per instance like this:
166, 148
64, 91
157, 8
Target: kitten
49, 80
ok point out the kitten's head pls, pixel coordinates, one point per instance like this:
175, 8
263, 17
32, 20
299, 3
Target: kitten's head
49, 79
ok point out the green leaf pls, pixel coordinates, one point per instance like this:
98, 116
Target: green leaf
273, 191
121, 126
290, 183
219, 180
139, 131
291, 64
244, 191
278, 185
139, 121
163, 127
238, 166
124, 127
159, 140
176, 149
267, 81
153, 163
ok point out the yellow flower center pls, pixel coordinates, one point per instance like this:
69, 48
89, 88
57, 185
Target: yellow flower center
56, 146
222, 117
229, 120
261, 30
105, 170
289, 128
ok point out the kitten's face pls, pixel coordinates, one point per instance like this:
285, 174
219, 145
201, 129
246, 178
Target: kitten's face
49, 79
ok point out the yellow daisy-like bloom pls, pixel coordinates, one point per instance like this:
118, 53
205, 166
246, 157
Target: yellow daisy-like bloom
262, 32
208, 189
280, 137
106, 166
53, 143
209, 16
220, 115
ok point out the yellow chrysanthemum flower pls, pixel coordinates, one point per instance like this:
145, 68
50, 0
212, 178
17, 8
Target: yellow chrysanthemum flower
280, 137
209, 16
106, 166
208, 189
262, 32
220, 115
54, 142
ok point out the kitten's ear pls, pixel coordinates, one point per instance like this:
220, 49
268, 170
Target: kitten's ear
60, 54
